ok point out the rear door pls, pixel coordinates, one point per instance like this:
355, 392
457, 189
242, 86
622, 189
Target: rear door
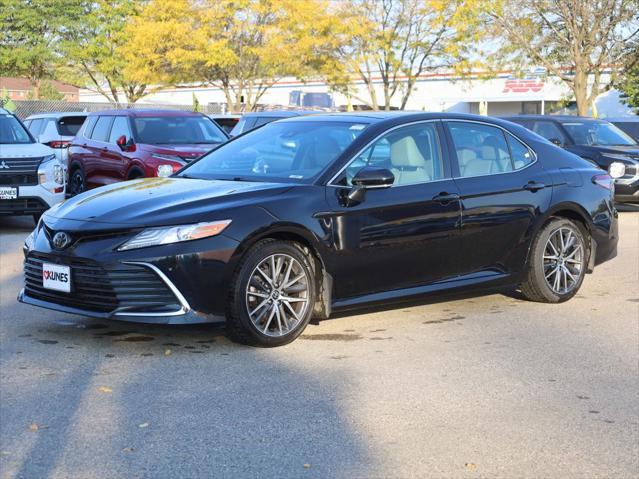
97, 171
503, 191
405, 235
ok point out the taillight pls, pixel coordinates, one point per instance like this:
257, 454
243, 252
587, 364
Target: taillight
58, 144
605, 181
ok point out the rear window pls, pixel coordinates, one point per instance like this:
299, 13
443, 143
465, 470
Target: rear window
70, 125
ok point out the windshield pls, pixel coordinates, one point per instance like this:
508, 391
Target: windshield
12, 132
597, 133
177, 130
281, 152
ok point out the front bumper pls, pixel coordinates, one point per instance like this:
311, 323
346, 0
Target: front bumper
33, 199
627, 189
182, 283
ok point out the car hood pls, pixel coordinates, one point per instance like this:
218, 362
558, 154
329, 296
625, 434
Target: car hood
631, 150
186, 152
24, 150
156, 202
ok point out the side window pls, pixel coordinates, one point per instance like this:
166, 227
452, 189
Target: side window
27, 123
520, 153
549, 130
36, 126
88, 126
262, 120
101, 129
412, 154
120, 127
480, 149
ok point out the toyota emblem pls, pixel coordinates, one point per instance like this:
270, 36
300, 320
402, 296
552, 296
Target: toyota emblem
61, 240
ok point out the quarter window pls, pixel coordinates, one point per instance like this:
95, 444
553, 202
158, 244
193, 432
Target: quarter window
480, 149
549, 130
412, 154
520, 153
36, 126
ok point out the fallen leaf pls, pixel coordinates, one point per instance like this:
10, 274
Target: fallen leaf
167, 352
144, 424
471, 466
128, 449
307, 466
104, 389
36, 427
5, 453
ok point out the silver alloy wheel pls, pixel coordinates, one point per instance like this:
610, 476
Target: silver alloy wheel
277, 295
563, 260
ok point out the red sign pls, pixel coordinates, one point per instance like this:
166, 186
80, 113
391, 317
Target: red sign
523, 86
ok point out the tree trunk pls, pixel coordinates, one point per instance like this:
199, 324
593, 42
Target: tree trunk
35, 84
580, 90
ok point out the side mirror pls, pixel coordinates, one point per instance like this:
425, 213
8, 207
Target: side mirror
369, 177
556, 141
124, 144
373, 177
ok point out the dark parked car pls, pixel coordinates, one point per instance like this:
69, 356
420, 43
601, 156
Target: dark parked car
226, 121
250, 121
597, 141
628, 124
118, 145
316, 214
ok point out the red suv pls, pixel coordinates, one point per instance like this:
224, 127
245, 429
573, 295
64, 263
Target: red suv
118, 145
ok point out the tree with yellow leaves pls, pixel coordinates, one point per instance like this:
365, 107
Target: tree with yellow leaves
241, 46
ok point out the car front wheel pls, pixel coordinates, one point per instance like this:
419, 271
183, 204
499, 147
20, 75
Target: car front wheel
272, 294
558, 262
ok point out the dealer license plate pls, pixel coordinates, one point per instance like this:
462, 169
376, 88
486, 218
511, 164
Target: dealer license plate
8, 193
57, 277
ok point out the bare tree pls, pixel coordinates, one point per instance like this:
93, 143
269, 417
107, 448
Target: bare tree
574, 40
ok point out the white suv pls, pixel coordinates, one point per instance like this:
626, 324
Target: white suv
31, 177
56, 130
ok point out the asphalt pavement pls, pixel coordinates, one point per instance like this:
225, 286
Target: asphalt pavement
489, 386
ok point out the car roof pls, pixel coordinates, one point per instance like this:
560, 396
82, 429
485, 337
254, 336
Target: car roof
554, 118
624, 119
280, 113
380, 116
146, 112
64, 114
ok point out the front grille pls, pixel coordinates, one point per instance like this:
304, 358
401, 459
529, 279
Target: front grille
124, 287
631, 170
19, 171
22, 206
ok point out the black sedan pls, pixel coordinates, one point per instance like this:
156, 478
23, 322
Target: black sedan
315, 214
597, 141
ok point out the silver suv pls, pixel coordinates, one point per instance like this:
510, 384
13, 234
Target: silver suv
32, 178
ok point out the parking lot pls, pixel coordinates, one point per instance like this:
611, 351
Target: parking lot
488, 386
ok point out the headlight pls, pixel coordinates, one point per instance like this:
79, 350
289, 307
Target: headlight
164, 170
174, 234
617, 169
28, 242
51, 171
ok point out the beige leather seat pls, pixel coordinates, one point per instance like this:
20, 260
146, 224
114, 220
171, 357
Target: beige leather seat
407, 163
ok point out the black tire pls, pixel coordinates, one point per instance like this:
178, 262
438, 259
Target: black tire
135, 174
536, 287
77, 183
240, 328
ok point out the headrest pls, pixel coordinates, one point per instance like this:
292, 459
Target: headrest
405, 153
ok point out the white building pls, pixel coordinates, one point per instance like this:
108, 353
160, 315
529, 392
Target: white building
503, 94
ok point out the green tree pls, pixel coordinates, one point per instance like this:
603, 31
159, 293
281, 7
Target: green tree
92, 49
47, 92
30, 31
628, 83
575, 40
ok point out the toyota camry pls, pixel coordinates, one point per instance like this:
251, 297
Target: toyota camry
310, 215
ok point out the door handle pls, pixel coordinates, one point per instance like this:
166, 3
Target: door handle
445, 198
534, 186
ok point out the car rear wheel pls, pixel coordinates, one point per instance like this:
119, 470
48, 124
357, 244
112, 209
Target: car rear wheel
558, 262
77, 184
272, 294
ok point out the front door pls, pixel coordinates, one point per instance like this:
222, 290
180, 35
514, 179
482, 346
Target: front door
503, 191
404, 235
